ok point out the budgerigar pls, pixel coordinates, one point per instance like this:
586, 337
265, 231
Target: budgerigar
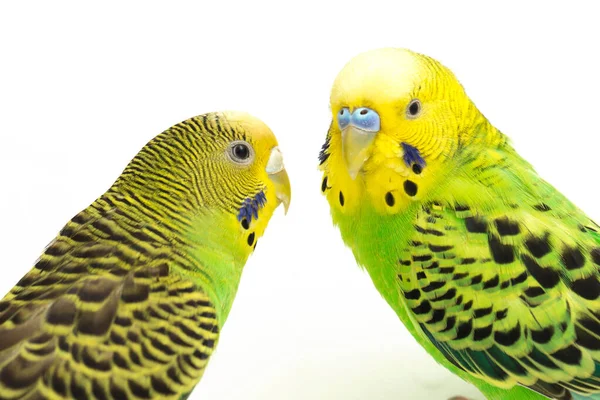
492, 270
127, 302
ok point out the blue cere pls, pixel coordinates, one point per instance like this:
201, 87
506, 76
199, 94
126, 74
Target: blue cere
366, 119
412, 156
343, 118
250, 206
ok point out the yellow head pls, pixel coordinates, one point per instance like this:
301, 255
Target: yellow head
250, 153
396, 114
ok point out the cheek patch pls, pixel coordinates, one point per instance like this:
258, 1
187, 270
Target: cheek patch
412, 158
250, 207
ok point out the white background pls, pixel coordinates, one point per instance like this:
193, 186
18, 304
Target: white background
83, 88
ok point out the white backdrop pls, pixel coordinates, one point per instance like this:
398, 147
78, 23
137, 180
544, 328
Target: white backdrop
83, 88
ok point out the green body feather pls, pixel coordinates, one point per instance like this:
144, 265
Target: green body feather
495, 273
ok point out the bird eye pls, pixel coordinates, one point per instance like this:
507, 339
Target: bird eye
343, 118
241, 152
414, 109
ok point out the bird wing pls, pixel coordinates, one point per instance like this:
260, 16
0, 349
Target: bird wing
509, 294
102, 315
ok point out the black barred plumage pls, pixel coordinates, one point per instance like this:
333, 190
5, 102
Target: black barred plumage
324, 153
127, 301
492, 347
184, 143
99, 285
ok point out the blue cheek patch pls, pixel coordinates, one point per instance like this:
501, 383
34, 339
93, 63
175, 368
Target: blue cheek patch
250, 207
412, 156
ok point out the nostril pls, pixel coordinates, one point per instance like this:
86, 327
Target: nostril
343, 118
366, 119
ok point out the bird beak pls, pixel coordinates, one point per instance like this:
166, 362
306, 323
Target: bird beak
355, 146
280, 179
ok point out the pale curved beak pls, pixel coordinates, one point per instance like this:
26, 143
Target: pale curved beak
280, 179
355, 148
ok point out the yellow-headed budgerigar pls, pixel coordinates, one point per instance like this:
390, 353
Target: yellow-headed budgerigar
127, 302
492, 270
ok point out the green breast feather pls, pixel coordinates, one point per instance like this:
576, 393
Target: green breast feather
505, 287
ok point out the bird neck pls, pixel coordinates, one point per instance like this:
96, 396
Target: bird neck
219, 252
206, 246
474, 129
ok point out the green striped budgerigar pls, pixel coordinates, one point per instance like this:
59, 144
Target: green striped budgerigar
491, 269
128, 300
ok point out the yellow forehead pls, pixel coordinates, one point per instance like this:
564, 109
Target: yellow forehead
382, 75
256, 130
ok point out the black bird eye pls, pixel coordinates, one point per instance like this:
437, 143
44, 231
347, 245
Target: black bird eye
241, 152
414, 109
